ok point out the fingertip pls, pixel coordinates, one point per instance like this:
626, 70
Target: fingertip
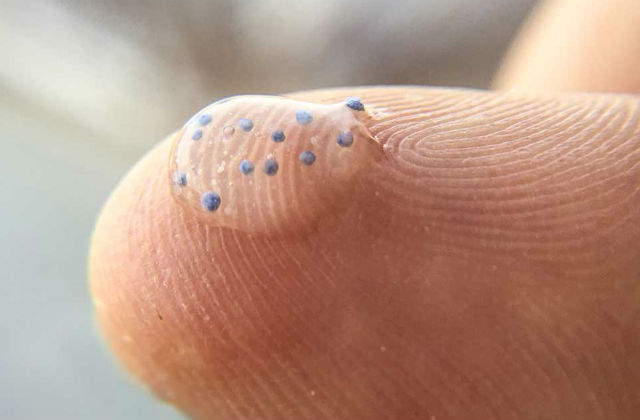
341, 320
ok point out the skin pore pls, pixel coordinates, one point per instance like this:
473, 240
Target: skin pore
484, 265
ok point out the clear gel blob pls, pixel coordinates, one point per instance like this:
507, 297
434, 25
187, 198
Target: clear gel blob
268, 164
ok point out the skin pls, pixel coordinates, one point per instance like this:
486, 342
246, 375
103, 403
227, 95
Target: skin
487, 266
576, 45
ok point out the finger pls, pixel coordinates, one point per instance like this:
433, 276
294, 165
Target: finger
576, 45
485, 265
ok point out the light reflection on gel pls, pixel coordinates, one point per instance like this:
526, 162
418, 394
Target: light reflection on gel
295, 182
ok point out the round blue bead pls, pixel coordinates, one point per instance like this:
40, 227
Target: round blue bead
307, 157
345, 139
270, 167
246, 167
245, 123
197, 135
204, 119
210, 201
278, 136
180, 178
354, 103
303, 117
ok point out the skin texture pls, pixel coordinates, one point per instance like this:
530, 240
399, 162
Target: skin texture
486, 267
470, 278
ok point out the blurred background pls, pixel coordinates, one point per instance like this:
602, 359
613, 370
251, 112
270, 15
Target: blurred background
87, 87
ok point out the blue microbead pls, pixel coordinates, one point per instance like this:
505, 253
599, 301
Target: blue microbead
245, 123
278, 136
270, 166
180, 178
354, 103
345, 139
307, 157
246, 167
210, 201
303, 117
204, 119
197, 135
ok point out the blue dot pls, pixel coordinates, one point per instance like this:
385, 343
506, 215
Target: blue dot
345, 139
197, 135
307, 157
270, 167
180, 178
354, 103
210, 201
204, 119
246, 167
245, 123
278, 136
303, 117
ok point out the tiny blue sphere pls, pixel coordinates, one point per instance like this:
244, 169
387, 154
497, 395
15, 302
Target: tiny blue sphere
270, 167
345, 139
278, 136
307, 157
303, 117
204, 119
197, 135
245, 123
354, 103
180, 178
210, 201
246, 167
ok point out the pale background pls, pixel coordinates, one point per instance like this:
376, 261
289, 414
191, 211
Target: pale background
87, 87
